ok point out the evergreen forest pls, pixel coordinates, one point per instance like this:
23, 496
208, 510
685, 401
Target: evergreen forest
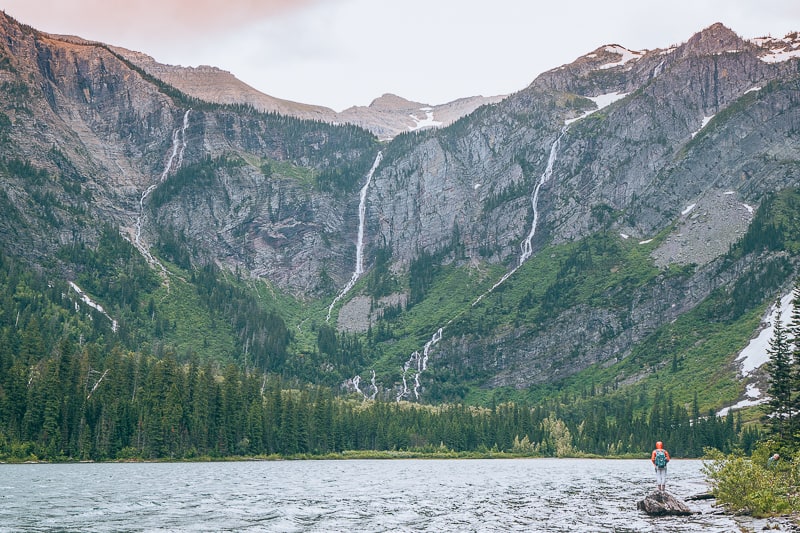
70, 391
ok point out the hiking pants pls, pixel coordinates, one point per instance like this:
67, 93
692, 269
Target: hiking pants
661, 476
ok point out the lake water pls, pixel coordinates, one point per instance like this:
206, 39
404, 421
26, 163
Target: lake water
350, 495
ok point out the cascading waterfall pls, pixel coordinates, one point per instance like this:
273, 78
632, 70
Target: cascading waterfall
94, 305
421, 363
526, 250
355, 383
362, 216
178, 147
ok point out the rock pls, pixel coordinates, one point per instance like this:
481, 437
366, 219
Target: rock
663, 504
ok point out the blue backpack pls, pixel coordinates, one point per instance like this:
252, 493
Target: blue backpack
661, 459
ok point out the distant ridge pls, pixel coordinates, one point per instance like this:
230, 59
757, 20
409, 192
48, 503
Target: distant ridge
386, 117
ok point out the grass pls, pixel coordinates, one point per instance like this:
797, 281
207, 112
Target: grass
195, 330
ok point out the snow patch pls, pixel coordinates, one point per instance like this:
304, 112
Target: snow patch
749, 208
627, 55
648, 241
752, 397
624, 236
94, 305
779, 50
688, 209
427, 122
729, 192
477, 186
755, 353
779, 56
703, 124
601, 101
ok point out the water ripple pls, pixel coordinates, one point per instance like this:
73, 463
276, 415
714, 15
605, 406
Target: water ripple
549, 495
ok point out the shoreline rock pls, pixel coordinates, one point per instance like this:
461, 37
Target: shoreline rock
663, 503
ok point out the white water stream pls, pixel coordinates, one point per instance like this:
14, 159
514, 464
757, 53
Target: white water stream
362, 216
418, 363
94, 305
177, 150
526, 246
421, 362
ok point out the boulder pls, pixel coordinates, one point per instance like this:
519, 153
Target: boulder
662, 503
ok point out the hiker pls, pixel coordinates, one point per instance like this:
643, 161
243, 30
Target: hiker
773, 460
660, 458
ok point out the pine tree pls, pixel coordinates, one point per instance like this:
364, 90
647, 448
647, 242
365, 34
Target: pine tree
779, 406
794, 326
794, 333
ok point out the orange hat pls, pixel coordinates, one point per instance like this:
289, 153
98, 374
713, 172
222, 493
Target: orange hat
659, 445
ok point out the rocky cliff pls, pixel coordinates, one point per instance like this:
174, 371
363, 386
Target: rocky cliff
683, 142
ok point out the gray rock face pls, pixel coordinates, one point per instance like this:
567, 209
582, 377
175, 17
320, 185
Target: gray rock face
707, 124
663, 503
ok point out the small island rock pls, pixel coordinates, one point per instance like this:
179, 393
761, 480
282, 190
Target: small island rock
663, 503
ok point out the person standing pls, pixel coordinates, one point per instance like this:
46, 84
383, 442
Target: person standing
660, 458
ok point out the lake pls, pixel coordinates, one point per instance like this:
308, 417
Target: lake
349, 495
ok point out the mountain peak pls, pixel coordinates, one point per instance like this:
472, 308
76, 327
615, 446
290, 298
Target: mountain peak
392, 102
715, 39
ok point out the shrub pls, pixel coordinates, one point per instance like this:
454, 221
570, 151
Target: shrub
746, 485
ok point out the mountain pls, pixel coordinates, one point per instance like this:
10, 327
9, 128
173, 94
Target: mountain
625, 220
391, 115
386, 116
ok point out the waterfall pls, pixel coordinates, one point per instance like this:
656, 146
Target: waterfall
419, 362
94, 305
362, 217
177, 150
526, 248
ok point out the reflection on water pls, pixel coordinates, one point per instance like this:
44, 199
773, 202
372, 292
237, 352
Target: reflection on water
350, 495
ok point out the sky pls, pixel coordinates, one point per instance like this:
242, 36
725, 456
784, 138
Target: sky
340, 53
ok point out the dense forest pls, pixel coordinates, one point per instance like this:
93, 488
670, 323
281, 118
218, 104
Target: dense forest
70, 392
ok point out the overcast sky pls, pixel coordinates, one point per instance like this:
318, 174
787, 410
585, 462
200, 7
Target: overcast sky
340, 53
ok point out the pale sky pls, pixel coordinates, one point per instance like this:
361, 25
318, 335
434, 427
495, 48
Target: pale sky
339, 53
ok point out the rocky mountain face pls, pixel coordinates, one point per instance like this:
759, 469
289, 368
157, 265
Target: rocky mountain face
108, 135
681, 144
695, 137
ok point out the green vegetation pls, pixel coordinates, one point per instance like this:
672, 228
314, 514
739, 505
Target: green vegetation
247, 343
758, 484
749, 485
70, 391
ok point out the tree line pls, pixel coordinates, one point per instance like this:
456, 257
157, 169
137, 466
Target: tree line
78, 404
69, 392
